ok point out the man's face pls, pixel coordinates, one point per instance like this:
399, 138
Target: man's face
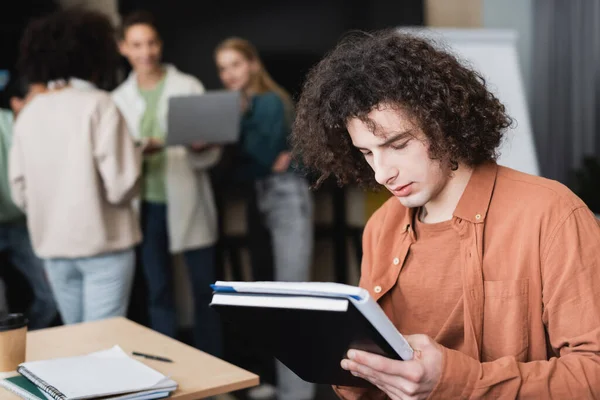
17, 103
398, 153
142, 47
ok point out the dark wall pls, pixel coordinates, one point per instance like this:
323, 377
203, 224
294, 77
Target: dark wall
291, 36
12, 25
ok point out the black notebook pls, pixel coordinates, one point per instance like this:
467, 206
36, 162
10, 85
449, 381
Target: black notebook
310, 326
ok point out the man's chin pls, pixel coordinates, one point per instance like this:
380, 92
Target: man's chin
410, 201
146, 67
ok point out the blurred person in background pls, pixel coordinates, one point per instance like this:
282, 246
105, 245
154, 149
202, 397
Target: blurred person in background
282, 193
74, 169
178, 211
14, 237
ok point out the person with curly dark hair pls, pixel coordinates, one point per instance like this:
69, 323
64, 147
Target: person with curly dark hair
73, 167
86, 49
484, 268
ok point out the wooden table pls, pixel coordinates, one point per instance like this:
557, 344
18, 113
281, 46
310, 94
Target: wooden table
198, 374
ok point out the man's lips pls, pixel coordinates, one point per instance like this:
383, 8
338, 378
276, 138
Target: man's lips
402, 191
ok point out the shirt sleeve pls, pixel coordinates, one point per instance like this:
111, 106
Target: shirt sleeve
265, 130
205, 159
117, 158
196, 87
16, 173
571, 301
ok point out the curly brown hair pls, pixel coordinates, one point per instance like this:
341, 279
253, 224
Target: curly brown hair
463, 121
74, 42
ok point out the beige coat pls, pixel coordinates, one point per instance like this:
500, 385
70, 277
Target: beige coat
191, 212
74, 169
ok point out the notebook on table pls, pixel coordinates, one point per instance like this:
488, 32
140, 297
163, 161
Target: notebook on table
22, 387
110, 374
27, 390
310, 326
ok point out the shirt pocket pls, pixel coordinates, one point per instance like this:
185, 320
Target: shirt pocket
505, 319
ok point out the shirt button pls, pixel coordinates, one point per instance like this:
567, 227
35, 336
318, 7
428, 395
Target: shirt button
478, 217
377, 289
396, 261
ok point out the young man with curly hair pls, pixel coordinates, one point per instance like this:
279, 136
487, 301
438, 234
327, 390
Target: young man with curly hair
486, 269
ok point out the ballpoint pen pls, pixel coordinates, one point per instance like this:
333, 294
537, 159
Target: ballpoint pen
151, 357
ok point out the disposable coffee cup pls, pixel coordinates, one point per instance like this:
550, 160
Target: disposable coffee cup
13, 339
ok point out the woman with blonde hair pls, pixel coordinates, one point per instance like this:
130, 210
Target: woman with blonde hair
282, 194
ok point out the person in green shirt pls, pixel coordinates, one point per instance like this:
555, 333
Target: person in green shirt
178, 212
14, 236
154, 163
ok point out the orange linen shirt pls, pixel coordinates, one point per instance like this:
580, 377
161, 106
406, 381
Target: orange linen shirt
530, 263
428, 297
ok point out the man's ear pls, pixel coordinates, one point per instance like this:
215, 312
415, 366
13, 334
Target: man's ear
16, 104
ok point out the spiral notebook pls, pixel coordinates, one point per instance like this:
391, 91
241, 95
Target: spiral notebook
22, 387
110, 374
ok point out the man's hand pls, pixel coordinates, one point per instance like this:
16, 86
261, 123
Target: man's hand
200, 146
282, 163
152, 145
413, 379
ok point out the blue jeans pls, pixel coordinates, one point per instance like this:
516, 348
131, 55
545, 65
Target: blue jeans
14, 239
286, 206
156, 263
92, 288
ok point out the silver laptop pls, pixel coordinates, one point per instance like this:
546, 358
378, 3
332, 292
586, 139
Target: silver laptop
213, 117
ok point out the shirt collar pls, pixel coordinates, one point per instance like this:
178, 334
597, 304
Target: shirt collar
75, 83
81, 84
169, 71
475, 200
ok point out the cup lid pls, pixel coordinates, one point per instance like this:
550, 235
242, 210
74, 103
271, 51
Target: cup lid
12, 321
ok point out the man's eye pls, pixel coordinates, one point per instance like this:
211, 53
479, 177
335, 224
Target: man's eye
399, 146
